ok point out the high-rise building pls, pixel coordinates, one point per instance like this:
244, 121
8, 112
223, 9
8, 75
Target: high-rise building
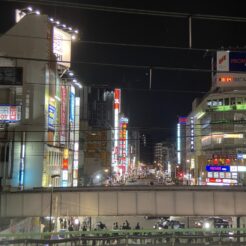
98, 136
39, 104
216, 149
165, 157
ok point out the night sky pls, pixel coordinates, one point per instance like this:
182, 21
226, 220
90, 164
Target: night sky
155, 111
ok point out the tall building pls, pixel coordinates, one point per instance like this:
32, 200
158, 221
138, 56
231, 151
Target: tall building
165, 157
120, 146
39, 104
216, 150
134, 150
98, 136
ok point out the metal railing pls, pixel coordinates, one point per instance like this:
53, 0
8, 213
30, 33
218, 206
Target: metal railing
174, 237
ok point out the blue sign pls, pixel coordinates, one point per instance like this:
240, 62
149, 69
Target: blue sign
72, 107
237, 61
217, 168
51, 117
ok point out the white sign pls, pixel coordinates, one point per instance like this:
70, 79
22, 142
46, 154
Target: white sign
222, 61
10, 113
19, 15
62, 46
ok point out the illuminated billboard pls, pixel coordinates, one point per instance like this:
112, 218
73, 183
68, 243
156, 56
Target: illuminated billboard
10, 113
231, 61
62, 46
123, 144
234, 63
72, 104
217, 168
117, 105
51, 114
63, 121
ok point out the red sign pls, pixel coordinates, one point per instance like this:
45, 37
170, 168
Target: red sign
65, 164
117, 99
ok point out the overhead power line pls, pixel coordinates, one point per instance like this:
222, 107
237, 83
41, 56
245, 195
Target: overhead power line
111, 9
156, 67
150, 46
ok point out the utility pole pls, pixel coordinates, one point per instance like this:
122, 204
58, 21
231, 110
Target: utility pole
150, 78
190, 32
51, 200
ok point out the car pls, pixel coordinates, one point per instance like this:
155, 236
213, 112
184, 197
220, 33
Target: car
212, 222
168, 224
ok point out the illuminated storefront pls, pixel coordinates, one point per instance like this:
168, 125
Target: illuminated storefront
219, 124
45, 117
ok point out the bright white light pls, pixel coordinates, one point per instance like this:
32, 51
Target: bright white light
76, 31
75, 80
73, 37
71, 74
70, 28
29, 8
58, 98
57, 22
37, 12
64, 25
51, 19
206, 225
98, 176
79, 85
76, 221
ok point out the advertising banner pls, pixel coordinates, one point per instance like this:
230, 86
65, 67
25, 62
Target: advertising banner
63, 114
10, 113
72, 104
51, 116
237, 61
62, 46
222, 61
218, 168
231, 61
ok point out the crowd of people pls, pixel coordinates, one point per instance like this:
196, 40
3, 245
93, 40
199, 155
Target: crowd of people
125, 226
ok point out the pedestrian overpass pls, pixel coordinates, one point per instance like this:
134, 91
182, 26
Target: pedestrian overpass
125, 201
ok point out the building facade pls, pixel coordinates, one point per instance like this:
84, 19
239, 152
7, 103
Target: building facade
42, 142
219, 145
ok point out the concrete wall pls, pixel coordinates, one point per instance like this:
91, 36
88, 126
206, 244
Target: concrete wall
161, 201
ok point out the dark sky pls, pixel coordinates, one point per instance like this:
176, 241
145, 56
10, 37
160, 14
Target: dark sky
172, 91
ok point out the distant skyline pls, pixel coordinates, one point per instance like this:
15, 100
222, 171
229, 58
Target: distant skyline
154, 110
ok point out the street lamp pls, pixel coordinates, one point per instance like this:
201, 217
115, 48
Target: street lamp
51, 200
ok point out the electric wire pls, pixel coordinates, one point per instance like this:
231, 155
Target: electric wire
156, 67
93, 7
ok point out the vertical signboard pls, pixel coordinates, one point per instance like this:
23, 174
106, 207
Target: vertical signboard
72, 104
51, 114
62, 46
63, 115
222, 61
117, 102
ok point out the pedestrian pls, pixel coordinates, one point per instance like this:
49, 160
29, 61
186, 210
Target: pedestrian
137, 227
123, 226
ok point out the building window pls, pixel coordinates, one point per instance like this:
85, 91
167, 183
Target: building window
233, 101
226, 101
239, 100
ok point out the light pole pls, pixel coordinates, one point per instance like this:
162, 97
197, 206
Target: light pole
51, 200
